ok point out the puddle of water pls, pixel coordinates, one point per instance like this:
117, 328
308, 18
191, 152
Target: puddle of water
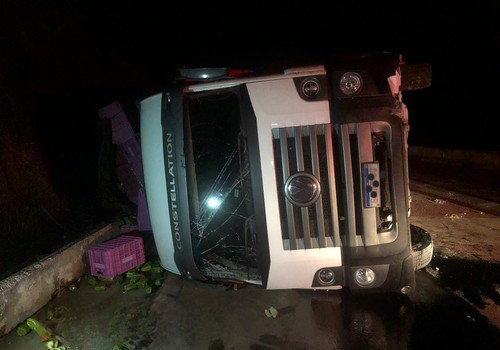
475, 280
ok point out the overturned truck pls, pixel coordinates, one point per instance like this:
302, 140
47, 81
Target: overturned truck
297, 179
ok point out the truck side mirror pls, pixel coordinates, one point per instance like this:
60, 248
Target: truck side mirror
415, 76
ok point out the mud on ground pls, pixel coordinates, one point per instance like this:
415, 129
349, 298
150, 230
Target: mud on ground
466, 257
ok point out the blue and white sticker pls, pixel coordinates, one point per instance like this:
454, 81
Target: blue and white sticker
371, 185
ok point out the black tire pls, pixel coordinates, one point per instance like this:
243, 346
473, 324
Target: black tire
422, 247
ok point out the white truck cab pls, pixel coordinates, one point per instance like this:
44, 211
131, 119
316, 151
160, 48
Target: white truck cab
297, 179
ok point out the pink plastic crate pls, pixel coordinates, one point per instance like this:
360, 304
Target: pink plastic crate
116, 256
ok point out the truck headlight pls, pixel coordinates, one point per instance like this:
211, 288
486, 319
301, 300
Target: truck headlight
350, 83
311, 87
326, 276
364, 276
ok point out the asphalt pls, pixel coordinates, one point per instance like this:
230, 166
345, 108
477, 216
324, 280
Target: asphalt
181, 314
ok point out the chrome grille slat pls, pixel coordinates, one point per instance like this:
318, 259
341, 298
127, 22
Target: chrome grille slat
306, 227
298, 148
304, 213
332, 188
316, 172
350, 214
292, 237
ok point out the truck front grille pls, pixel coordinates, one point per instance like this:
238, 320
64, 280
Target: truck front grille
334, 155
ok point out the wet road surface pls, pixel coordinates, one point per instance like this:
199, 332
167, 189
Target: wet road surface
455, 305
193, 315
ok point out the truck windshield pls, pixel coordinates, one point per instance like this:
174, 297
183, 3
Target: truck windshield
221, 207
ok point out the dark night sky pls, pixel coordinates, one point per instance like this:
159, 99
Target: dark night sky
78, 56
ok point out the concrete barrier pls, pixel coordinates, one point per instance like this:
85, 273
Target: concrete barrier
479, 159
28, 290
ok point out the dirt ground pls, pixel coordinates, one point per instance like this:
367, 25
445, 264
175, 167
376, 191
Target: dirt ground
466, 249
460, 206
457, 231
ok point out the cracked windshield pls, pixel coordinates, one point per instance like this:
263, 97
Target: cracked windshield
221, 201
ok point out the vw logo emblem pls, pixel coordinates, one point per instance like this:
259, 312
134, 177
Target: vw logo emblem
302, 189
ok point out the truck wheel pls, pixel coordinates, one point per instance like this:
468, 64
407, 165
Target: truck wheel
422, 247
